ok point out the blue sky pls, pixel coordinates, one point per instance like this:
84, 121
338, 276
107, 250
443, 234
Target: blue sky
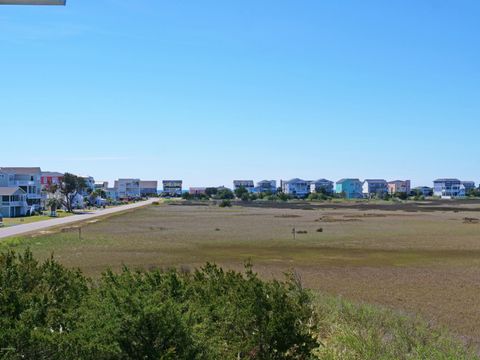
208, 91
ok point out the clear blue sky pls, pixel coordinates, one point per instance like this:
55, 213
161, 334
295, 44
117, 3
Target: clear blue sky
208, 91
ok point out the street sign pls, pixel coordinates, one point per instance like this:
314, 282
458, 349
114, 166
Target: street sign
33, 2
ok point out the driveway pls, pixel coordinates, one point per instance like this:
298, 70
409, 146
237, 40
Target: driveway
41, 225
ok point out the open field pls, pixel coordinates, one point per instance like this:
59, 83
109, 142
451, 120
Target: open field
420, 259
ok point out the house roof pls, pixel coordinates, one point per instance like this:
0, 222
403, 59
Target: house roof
52, 173
323, 180
341, 181
375, 180
295, 180
397, 181
21, 170
446, 179
9, 191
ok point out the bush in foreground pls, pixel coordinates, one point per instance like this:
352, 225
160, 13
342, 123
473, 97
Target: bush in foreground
50, 312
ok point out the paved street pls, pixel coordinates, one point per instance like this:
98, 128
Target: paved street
41, 225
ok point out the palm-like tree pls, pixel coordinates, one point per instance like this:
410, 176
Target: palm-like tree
54, 203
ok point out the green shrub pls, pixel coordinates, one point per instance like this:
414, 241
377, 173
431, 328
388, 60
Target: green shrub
50, 312
225, 203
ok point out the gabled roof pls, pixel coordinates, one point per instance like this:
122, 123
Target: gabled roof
9, 191
21, 170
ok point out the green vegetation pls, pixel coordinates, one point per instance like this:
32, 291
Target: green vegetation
351, 332
50, 312
474, 193
225, 203
70, 187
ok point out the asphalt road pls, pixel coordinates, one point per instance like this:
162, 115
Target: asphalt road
41, 225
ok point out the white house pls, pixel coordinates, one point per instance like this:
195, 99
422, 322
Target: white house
448, 188
127, 188
26, 178
372, 187
296, 187
13, 202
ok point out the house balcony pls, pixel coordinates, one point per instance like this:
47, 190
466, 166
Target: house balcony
25, 183
14, 203
34, 196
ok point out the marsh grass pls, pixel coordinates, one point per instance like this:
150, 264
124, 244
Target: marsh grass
349, 332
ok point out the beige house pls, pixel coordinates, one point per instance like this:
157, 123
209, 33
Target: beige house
148, 187
399, 186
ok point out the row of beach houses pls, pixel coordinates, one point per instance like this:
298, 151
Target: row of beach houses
354, 188
23, 189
